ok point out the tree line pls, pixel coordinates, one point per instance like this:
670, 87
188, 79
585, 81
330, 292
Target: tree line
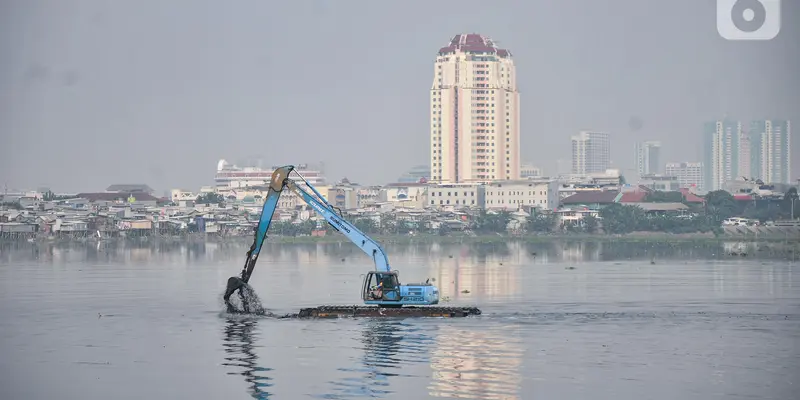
719, 205
614, 218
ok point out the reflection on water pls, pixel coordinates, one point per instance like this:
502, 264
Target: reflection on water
389, 346
695, 324
476, 364
464, 275
574, 251
239, 344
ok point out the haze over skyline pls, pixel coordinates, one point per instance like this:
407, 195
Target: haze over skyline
94, 93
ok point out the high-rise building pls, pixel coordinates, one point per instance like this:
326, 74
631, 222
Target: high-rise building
648, 156
689, 174
770, 153
591, 152
727, 153
474, 113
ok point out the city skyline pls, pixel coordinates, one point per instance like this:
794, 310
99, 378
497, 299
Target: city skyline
759, 150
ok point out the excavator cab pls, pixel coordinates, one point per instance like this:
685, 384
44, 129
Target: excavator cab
384, 289
381, 287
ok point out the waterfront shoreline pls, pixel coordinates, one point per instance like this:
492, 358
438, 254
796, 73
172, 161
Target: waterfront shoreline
635, 237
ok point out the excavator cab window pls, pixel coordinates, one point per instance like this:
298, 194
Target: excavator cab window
389, 281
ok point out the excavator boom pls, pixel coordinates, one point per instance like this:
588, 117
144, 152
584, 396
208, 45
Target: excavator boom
364, 242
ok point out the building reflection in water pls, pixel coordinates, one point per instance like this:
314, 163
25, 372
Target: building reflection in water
476, 364
188, 252
578, 252
238, 343
388, 346
469, 275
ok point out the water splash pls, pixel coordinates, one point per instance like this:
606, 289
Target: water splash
246, 301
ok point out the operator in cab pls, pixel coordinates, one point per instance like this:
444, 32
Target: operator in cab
377, 291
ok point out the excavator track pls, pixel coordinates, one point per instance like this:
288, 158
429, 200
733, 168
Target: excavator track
373, 311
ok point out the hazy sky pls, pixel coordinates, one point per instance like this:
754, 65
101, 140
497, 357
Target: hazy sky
157, 91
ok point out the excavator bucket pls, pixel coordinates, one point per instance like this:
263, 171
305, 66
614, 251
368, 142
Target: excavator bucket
250, 303
234, 283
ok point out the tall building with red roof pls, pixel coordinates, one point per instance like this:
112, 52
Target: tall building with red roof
474, 113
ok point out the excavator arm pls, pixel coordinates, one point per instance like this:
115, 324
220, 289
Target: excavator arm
276, 185
280, 181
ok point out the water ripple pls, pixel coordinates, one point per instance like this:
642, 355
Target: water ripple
611, 326
389, 348
239, 338
477, 363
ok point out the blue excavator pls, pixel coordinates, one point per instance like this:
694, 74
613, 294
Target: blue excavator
380, 288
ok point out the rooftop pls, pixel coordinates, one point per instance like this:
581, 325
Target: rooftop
134, 187
116, 196
591, 197
662, 206
473, 43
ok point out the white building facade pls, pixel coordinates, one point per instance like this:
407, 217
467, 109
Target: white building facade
474, 113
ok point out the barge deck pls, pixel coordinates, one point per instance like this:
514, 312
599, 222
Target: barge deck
333, 311
367, 311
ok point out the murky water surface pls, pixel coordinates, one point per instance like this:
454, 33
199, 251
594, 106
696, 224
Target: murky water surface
561, 321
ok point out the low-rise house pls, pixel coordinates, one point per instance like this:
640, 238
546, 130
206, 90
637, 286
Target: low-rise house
575, 215
120, 198
75, 228
663, 208
690, 198
342, 196
407, 195
130, 188
29, 202
519, 220
593, 200
9, 216
17, 230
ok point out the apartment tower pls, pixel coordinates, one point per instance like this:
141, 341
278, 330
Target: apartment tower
474, 113
727, 153
591, 152
770, 151
648, 156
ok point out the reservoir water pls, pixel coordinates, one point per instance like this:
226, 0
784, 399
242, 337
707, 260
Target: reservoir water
560, 321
